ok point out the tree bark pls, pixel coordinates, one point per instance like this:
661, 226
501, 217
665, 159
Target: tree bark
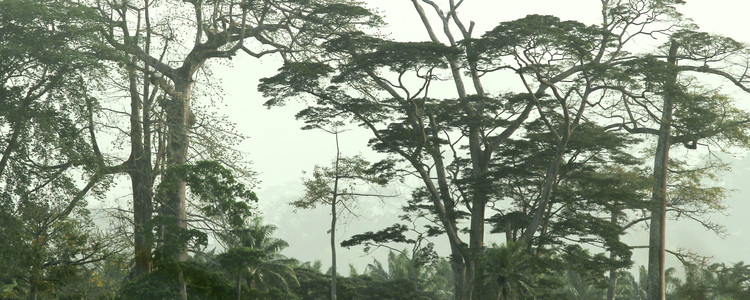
238, 287
10, 147
658, 207
142, 168
32, 290
173, 208
16, 127
142, 185
459, 273
333, 219
139, 170
544, 197
612, 289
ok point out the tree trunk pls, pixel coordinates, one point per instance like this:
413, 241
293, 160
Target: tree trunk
178, 129
476, 238
238, 287
32, 290
459, 274
17, 127
142, 213
544, 197
333, 219
612, 289
173, 206
139, 170
333, 245
658, 208
10, 147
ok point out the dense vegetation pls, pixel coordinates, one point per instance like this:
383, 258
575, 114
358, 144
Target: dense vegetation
549, 136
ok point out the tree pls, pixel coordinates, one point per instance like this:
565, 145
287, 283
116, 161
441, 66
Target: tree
508, 273
449, 143
433, 278
713, 281
577, 288
220, 30
237, 261
225, 204
273, 271
688, 115
336, 186
48, 59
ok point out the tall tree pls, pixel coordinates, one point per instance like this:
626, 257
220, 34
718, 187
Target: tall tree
336, 186
388, 87
49, 59
685, 115
220, 30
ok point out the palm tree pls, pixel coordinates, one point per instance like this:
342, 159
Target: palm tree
715, 281
399, 267
508, 272
434, 278
377, 272
630, 288
577, 288
734, 282
272, 270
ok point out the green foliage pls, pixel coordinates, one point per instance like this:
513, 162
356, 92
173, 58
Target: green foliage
706, 47
708, 116
219, 196
399, 57
239, 259
714, 281
390, 234
701, 281
293, 78
266, 269
596, 179
48, 256
219, 192
253, 262
49, 240
315, 285
349, 172
539, 38
162, 283
576, 287
508, 272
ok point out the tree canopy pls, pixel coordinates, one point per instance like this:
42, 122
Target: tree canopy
523, 155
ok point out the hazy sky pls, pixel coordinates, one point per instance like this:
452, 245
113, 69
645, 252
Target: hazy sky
280, 151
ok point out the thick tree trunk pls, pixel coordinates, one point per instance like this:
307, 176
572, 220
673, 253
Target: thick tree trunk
476, 238
173, 206
459, 273
142, 213
658, 208
139, 170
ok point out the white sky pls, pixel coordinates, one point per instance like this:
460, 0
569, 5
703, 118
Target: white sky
280, 151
